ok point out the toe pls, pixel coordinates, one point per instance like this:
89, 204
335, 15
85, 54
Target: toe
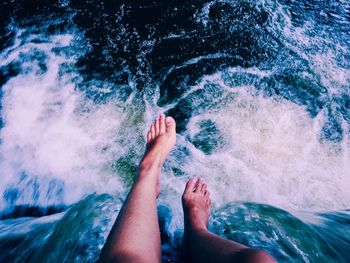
162, 124
208, 202
170, 124
156, 126
190, 185
204, 188
153, 132
199, 185
149, 137
206, 194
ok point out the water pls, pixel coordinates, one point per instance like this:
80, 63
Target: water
261, 94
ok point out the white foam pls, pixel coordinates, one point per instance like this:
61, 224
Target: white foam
52, 132
272, 154
324, 50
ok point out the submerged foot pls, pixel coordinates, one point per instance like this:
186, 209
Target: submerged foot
161, 138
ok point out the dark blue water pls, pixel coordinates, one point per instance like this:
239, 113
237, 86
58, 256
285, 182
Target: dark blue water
260, 91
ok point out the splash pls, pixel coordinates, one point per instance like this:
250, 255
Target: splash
57, 146
263, 149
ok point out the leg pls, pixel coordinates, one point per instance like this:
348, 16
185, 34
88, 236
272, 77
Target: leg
202, 246
135, 235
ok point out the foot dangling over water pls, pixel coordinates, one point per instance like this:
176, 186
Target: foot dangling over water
200, 245
161, 138
135, 236
196, 204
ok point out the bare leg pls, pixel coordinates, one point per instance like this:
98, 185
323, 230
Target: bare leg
135, 235
200, 245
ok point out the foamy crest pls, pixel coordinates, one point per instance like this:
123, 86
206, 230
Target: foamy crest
324, 49
265, 150
271, 154
56, 145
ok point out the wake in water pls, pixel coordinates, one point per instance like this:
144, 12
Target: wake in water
260, 93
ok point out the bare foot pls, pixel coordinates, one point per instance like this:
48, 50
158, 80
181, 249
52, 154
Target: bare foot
161, 139
199, 245
196, 205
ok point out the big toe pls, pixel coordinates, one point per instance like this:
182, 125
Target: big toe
162, 124
190, 186
170, 124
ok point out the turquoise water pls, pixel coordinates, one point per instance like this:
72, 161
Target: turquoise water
259, 90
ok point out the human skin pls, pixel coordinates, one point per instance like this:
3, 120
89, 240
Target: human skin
135, 236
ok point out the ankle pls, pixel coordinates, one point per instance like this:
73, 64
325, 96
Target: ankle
197, 229
148, 165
